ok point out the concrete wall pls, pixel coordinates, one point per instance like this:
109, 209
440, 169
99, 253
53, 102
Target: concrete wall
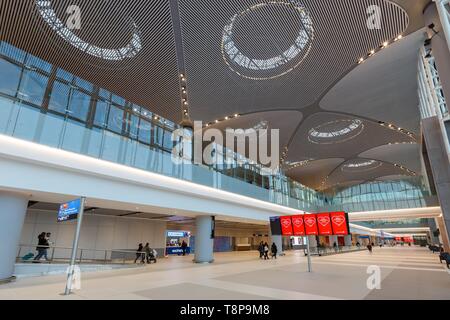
97, 233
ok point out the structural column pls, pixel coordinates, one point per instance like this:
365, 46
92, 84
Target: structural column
13, 208
348, 240
204, 240
278, 240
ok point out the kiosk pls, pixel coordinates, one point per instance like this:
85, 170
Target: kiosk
174, 239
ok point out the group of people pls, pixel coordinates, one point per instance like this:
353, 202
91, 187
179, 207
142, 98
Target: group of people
43, 245
264, 249
145, 254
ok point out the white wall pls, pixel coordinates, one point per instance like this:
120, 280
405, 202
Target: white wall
97, 232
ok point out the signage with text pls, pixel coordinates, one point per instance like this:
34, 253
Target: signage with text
286, 226
311, 225
340, 223
69, 211
324, 224
298, 226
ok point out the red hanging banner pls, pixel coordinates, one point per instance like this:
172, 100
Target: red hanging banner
286, 226
310, 225
298, 225
339, 222
324, 224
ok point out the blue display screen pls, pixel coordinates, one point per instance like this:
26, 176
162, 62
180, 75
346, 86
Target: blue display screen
69, 211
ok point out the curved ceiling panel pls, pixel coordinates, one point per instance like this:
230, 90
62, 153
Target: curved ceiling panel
369, 171
285, 121
407, 155
127, 47
330, 135
368, 90
231, 50
312, 173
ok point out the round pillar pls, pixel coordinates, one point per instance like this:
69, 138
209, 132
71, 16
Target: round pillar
12, 215
204, 241
348, 240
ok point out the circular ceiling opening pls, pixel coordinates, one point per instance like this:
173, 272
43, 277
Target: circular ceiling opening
361, 166
267, 40
76, 25
338, 131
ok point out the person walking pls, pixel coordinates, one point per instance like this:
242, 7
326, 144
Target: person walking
261, 250
139, 253
274, 250
369, 247
147, 253
42, 247
184, 247
266, 251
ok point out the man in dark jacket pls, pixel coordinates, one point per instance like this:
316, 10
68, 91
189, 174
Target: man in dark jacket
42, 247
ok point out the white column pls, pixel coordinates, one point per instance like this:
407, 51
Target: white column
279, 243
204, 243
13, 208
445, 18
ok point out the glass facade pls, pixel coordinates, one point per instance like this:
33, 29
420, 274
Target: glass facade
47, 105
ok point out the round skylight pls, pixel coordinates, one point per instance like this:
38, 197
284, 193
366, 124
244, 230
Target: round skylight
336, 131
257, 68
361, 165
129, 51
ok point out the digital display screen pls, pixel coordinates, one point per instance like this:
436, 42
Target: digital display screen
324, 224
286, 226
298, 225
340, 223
310, 225
275, 226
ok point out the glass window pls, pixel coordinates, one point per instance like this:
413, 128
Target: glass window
79, 105
35, 62
101, 113
12, 52
168, 143
64, 75
119, 100
8, 115
104, 94
32, 87
9, 77
158, 135
134, 126
145, 131
115, 119
59, 97
84, 84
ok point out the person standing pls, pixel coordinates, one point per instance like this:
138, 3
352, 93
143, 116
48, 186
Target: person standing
274, 250
266, 251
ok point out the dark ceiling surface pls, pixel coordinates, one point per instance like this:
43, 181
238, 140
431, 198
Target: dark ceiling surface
290, 64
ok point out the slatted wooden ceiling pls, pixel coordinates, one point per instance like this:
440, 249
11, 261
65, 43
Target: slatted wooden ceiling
150, 79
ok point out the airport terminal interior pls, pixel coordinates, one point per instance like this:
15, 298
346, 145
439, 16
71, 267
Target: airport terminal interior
225, 150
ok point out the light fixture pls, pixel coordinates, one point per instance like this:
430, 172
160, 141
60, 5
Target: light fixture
385, 44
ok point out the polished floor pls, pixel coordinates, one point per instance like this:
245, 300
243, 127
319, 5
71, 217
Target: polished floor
406, 273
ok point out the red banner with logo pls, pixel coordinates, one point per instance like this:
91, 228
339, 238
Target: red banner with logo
310, 221
298, 225
339, 222
324, 224
286, 226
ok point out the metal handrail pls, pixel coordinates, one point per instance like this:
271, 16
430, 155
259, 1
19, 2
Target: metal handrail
111, 256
